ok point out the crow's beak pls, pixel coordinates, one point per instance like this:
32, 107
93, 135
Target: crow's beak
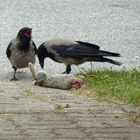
29, 32
41, 62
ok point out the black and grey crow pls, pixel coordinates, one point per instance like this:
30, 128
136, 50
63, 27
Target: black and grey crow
73, 52
21, 50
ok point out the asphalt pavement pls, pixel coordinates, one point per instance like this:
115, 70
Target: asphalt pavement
112, 24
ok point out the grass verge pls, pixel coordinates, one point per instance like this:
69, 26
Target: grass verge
114, 85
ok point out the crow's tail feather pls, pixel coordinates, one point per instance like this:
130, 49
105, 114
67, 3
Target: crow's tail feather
106, 53
111, 61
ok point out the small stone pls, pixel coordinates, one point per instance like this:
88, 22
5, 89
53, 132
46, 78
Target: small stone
67, 106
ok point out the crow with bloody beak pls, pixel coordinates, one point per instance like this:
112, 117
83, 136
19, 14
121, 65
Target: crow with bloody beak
21, 50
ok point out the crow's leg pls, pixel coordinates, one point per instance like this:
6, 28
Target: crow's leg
14, 75
68, 69
91, 66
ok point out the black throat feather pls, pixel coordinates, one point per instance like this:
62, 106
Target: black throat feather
24, 44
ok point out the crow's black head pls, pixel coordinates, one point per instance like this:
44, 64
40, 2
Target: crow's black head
42, 53
25, 32
24, 35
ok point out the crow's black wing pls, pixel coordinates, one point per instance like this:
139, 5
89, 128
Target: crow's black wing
89, 45
8, 51
96, 48
77, 50
82, 49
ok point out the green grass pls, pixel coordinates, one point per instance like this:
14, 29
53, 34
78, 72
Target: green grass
116, 85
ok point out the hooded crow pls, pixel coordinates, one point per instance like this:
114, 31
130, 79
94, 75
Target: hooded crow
73, 52
21, 50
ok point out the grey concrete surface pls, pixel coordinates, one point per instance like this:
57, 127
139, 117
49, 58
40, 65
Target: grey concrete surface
112, 24
30, 112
